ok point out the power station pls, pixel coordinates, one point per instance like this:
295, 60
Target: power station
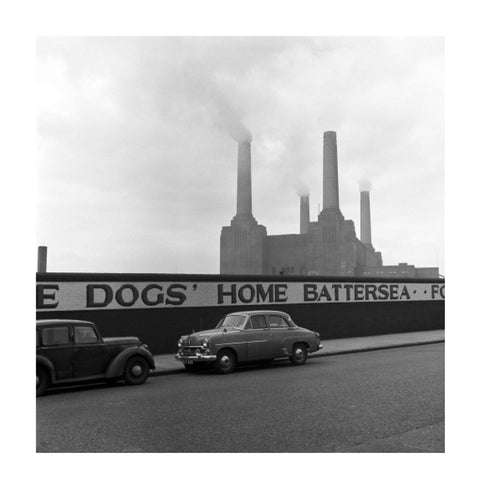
326, 247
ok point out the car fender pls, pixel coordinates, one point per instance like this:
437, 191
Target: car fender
46, 363
236, 341
116, 367
288, 342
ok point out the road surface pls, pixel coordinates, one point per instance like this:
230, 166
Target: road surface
379, 401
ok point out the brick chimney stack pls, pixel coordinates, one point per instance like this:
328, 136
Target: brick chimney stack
42, 259
365, 226
330, 171
244, 180
304, 213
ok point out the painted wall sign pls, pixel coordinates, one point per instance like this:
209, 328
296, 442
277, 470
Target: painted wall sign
66, 296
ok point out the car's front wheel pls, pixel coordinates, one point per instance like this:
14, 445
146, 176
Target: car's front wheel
43, 378
299, 354
225, 362
136, 371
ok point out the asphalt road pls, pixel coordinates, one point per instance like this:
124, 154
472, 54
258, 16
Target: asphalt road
378, 401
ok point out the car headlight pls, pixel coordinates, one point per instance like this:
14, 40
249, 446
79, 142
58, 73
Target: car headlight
205, 342
179, 343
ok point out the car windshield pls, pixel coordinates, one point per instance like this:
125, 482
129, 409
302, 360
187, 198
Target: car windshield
291, 322
231, 322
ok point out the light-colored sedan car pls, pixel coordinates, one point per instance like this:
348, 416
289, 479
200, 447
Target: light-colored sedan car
241, 337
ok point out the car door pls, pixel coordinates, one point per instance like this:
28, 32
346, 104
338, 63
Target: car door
57, 347
259, 339
279, 330
90, 353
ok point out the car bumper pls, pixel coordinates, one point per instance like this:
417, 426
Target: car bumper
195, 358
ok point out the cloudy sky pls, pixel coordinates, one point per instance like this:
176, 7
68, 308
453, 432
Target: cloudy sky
136, 167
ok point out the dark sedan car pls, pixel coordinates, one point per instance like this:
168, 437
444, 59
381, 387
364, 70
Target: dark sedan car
241, 337
73, 350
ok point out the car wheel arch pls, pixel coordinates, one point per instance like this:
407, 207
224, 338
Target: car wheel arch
228, 349
117, 366
303, 343
229, 367
290, 342
139, 378
44, 379
48, 366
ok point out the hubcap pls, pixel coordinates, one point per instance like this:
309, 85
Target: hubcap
225, 361
137, 370
299, 353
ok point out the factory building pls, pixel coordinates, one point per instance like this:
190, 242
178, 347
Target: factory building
326, 247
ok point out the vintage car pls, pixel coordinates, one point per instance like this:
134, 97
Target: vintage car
73, 350
240, 337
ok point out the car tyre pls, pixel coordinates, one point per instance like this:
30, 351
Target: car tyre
225, 362
299, 354
43, 379
136, 371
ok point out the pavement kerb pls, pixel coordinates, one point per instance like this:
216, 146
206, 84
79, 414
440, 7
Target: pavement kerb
374, 348
181, 369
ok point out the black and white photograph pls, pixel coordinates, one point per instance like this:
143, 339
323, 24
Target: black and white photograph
262, 215
238, 217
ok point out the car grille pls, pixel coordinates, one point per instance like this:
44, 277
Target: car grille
189, 350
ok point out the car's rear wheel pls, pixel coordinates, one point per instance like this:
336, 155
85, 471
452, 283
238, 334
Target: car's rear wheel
43, 379
136, 371
225, 362
299, 354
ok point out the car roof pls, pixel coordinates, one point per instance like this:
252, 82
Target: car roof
50, 322
260, 312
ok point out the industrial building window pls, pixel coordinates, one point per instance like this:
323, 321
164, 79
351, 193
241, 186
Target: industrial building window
55, 336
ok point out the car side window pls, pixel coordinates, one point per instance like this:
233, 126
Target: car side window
277, 322
258, 322
55, 336
85, 335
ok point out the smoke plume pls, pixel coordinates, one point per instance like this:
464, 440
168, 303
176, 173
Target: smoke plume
303, 190
237, 130
218, 95
365, 185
